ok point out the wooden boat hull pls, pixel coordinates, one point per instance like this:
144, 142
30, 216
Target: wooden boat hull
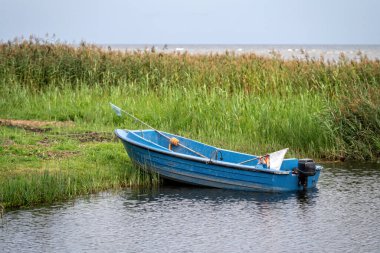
195, 170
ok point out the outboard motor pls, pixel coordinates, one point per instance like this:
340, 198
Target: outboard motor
306, 168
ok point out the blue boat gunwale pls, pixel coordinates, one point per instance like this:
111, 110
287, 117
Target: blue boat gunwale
195, 158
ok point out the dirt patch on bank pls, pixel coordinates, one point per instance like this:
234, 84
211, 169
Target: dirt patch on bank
43, 127
50, 154
94, 137
35, 125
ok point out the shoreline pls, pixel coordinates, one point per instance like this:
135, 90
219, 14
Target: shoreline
44, 162
57, 144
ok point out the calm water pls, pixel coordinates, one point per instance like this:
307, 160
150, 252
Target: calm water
328, 52
342, 215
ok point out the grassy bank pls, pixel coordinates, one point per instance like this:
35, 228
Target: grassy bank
324, 110
44, 165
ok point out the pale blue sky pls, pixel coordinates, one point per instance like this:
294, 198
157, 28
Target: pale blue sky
194, 21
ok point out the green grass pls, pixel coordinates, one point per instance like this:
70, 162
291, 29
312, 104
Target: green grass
323, 110
250, 124
32, 173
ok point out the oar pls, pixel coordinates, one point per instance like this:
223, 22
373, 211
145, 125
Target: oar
118, 112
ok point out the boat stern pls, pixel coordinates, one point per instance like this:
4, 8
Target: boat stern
308, 173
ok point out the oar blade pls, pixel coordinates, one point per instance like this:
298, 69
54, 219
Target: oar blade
116, 109
276, 159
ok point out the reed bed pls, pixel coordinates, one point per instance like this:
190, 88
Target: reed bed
321, 109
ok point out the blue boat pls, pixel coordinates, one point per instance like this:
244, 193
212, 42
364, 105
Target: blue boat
184, 160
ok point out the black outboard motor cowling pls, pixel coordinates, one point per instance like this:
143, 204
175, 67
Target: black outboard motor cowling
306, 168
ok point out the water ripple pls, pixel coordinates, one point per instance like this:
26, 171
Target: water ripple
342, 215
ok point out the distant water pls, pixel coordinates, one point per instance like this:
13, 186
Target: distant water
342, 215
328, 52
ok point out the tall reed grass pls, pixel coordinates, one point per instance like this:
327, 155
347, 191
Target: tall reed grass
252, 103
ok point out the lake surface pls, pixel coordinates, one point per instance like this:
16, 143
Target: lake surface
342, 215
328, 52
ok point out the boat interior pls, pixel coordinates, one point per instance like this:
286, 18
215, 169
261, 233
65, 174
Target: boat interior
178, 144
